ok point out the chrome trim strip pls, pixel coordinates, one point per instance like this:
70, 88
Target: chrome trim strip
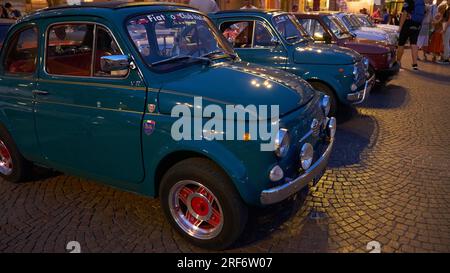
277, 194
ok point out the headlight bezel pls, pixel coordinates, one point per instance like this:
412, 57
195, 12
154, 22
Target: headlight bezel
282, 142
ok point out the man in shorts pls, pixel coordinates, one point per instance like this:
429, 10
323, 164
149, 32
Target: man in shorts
410, 22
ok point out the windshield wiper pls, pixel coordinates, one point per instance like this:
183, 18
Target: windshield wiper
217, 52
180, 58
291, 38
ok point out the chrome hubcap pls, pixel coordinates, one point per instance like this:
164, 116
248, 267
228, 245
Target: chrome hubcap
196, 209
6, 165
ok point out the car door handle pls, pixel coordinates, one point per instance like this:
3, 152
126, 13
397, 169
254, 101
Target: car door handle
39, 92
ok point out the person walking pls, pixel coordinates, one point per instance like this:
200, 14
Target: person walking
446, 36
425, 29
206, 6
413, 13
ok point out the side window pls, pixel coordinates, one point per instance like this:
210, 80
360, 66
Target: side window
69, 49
238, 33
263, 36
105, 45
21, 55
318, 30
307, 25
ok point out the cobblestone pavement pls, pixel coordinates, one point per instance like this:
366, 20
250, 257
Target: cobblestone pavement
389, 181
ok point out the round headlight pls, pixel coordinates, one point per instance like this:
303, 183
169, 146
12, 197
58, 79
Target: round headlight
282, 142
306, 156
326, 105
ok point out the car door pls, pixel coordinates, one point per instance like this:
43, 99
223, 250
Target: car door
89, 121
255, 42
18, 74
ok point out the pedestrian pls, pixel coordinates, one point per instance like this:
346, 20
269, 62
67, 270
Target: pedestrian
413, 13
248, 5
12, 12
425, 29
446, 36
294, 8
436, 45
206, 6
385, 18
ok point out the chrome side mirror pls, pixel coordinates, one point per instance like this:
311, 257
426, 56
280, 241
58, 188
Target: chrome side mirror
115, 63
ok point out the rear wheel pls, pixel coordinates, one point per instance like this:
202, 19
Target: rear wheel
13, 166
202, 204
329, 92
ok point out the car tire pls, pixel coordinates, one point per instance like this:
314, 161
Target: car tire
196, 191
329, 92
13, 166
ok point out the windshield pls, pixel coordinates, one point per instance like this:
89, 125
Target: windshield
348, 23
289, 28
176, 38
337, 27
366, 21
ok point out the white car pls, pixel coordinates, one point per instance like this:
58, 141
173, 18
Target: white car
360, 31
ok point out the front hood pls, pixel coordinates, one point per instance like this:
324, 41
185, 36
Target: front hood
364, 46
373, 29
324, 54
391, 28
371, 35
237, 83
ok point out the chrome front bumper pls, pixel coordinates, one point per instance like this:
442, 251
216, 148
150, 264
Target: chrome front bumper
360, 96
277, 194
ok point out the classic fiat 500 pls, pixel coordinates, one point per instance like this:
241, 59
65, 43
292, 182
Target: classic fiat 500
325, 28
91, 90
276, 39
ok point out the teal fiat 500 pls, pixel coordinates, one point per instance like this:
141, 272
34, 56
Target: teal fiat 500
276, 39
90, 90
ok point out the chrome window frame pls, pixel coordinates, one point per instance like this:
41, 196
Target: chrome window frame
94, 43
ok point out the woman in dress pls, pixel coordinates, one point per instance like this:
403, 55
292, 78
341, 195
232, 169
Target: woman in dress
425, 29
436, 46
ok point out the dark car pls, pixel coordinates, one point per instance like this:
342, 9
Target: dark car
325, 28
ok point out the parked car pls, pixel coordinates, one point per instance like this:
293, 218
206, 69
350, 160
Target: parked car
325, 28
276, 39
355, 27
366, 21
90, 89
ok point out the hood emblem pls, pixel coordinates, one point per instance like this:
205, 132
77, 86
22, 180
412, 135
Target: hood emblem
151, 107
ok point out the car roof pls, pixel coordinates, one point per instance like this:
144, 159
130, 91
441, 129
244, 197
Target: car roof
319, 13
103, 8
248, 12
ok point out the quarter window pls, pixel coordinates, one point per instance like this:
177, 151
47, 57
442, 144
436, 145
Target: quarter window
69, 49
263, 36
105, 46
21, 55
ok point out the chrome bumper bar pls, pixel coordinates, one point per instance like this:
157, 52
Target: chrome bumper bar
360, 96
277, 194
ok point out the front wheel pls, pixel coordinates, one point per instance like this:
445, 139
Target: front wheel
202, 204
329, 92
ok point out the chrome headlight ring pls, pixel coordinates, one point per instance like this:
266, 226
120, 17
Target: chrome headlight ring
282, 142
